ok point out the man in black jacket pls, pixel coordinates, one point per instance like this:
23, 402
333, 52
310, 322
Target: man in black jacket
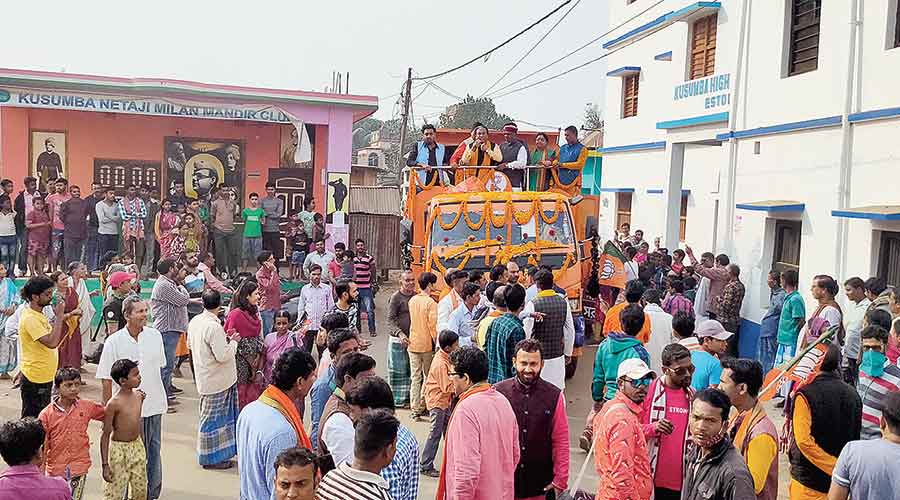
22, 207
91, 250
714, 470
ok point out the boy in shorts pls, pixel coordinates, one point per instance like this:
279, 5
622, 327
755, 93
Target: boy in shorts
124, 460
65, 421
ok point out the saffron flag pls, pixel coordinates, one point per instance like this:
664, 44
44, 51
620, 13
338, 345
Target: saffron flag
799, 370
611, 267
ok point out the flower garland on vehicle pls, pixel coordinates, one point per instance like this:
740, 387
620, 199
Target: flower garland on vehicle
509, 212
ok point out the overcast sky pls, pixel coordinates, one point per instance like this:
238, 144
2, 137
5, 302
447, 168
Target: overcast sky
297, 44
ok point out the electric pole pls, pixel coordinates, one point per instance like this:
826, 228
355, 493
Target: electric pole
405, 117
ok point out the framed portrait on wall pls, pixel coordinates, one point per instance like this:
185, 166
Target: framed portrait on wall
203, 165
338, 203
49, 156
291, 142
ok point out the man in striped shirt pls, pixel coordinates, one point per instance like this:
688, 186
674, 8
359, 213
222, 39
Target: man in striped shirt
374, 447
168, 305
878, 378
364, 277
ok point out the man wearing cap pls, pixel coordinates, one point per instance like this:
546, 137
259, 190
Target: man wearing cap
515, 156
120, 286
713, 343
620, 449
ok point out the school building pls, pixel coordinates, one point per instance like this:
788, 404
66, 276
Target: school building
765, 130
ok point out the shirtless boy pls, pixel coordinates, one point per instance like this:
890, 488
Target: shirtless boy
125, 462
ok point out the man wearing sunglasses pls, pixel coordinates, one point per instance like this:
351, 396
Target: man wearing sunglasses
665, 420
621, 452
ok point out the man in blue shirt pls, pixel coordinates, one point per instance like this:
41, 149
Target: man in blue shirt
263, 431
340, 342
713, 343
768, 327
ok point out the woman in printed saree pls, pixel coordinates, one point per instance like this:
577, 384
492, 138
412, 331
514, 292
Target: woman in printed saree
166, 221
244, 318
9, 301
481, 152
566, 177
70, 347
544, 155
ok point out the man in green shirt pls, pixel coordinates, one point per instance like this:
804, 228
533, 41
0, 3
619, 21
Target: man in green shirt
793, 315
254, 217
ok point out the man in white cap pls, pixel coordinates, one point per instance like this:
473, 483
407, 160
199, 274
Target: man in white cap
713, 339
515, 156
621, 451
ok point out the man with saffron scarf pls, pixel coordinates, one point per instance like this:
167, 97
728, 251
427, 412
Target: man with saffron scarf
480, 152
482, 448
566, 174
272, 423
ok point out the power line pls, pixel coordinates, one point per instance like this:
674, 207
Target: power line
579, 49
560, 20
489, 52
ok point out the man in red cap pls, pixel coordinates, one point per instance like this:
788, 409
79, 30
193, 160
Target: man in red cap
120, 286
515, 156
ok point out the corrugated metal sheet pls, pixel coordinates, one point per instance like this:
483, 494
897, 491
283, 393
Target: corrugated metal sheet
381, 234
375, 200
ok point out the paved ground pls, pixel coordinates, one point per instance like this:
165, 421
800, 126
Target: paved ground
184, 479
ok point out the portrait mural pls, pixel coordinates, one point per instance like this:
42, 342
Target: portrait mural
49, 156
338, 203
291, 142
203, 165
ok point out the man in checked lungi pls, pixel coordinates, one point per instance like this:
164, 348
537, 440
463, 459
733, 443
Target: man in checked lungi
216, 374
398, 357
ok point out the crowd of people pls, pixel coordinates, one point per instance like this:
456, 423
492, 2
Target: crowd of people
474, 161
481, 356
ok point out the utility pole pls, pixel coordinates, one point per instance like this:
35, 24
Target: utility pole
405, 117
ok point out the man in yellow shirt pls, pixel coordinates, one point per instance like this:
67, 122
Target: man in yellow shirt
751, 430
39, 340
422, 339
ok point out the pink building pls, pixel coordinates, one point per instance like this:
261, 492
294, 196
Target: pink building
119, 131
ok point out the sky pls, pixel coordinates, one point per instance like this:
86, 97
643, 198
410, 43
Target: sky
298, 44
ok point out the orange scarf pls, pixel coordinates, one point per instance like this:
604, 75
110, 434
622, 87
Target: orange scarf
277, 399
442, 483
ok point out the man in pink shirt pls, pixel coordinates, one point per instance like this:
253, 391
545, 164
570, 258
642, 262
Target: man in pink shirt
540, 409
54, 201
482, 447
620, 451
269, 289
664, 417
21, 443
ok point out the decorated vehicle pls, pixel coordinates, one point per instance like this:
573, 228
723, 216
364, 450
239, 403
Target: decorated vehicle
458, 227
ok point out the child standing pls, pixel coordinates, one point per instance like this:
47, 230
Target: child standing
438, 393
66, 443
253, 216
124, 460
347, 265
38, 225
299, 242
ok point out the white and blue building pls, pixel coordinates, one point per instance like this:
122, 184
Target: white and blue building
768, 130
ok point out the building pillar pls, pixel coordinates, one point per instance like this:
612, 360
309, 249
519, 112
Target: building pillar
340, 134
672, 195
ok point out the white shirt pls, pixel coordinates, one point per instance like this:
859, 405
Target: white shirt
213, 354
853, 327
700, 299
148, 352
461, 322
568, 327
8, 224
521, 159
338, 437
660, 334
445, 307
321, 259
530, 293
631, 270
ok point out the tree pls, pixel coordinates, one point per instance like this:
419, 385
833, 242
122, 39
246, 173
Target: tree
471, 110
362, 132
593, 119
